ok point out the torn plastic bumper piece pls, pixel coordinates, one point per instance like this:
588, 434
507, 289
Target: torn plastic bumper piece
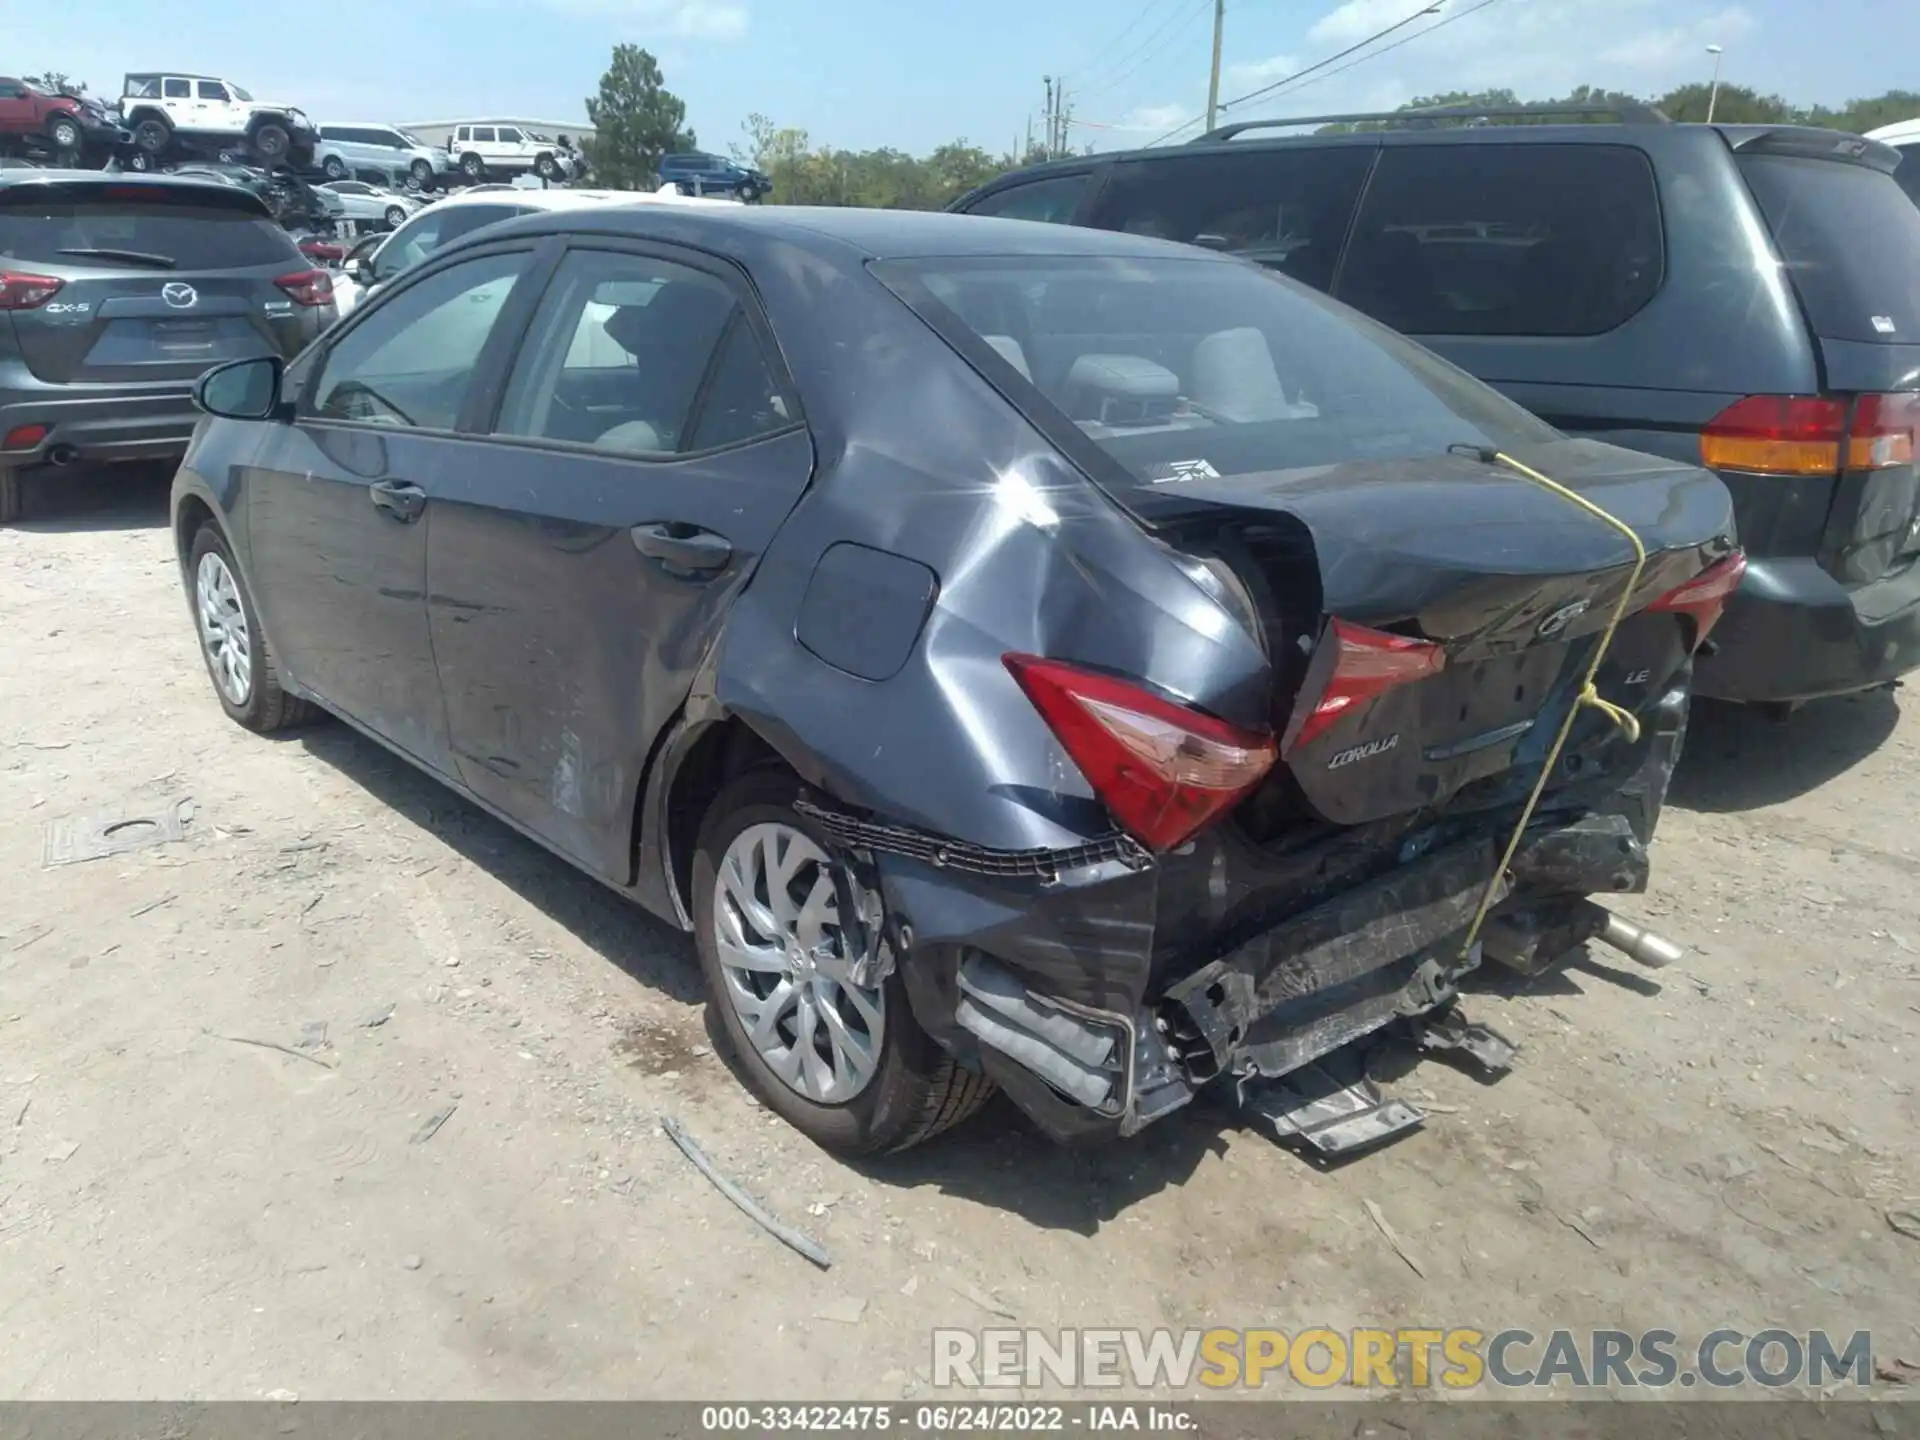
1118, 1067
1331, 1107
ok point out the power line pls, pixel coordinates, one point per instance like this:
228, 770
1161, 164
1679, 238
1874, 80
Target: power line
1093, 61
1320, 65
1142, 52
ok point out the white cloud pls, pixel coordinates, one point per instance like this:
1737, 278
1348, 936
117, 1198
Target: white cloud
684, 19
1679, 45
1157, 118
1357, 19
1258, 72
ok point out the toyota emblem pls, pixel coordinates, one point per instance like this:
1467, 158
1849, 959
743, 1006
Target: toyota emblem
179, 295
1559, 620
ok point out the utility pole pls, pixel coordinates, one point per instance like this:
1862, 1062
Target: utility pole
1062, 116
1213, 79
1047, 80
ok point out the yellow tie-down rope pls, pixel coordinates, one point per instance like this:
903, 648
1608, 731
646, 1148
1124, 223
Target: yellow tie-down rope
1589, 697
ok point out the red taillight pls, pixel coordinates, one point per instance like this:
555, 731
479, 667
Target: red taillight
1163, 770
1705, 596
1812, 434
20, 291
1365, 663
23, 437
308, 287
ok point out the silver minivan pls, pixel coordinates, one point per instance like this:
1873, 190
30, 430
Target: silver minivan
347, 150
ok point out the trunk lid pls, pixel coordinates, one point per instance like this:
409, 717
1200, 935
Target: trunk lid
1850, 240
158, 282
1512, 585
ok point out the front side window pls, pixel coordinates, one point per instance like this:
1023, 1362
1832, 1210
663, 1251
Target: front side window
409, 362
212, 90
1180, 369
1506, 240
1286, 209
13, 90
509, 136
639, 356
1051, 201
176, 90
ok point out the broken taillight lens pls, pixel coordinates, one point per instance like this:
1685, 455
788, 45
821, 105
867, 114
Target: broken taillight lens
1366, 663
308, 287
1164, 771
1705, 596
24, 292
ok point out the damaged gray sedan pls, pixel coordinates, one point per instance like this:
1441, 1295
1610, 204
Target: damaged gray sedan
1022, 656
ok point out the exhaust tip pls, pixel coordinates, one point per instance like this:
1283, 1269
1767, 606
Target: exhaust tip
1640, 944
62, 455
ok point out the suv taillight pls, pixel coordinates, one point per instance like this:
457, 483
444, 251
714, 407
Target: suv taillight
308, 287
1705, 596
1365, 663
1812, 434
20, 291
1164, 771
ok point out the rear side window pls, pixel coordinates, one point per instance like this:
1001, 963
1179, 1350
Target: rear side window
1287, 209
1851, 242
1198, 369
1907, 176
484, 133
176, 89
119, 235
1506, 239
1050, 201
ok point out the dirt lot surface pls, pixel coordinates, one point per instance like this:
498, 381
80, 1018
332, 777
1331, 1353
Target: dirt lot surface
185, 1211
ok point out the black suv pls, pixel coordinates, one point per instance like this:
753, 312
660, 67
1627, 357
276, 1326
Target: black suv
1747, 296
116, 292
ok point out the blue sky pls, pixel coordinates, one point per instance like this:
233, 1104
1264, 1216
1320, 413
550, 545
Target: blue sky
915, 73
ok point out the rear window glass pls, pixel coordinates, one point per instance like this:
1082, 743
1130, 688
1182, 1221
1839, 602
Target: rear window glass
1851, 242
1196, 369
1506, 239
189, 238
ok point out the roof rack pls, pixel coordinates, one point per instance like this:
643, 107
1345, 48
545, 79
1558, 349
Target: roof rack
1626, 112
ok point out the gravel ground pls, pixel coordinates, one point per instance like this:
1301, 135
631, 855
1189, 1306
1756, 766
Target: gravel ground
352, 1092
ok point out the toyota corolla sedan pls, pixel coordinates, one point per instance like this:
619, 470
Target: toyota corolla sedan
1022, 657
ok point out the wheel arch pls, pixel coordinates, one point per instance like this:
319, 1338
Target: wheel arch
694, 762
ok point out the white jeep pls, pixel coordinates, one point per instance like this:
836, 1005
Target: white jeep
201, 111
480, 150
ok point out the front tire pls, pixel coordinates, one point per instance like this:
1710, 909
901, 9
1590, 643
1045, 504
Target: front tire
472, 166
396, 217
544, 166
420, 173
64, 133
245, 675
849, 1067
271, 143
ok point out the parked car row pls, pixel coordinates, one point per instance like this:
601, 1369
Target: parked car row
1741, 296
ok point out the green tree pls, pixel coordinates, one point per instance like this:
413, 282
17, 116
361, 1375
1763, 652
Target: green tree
1735, 105
636, 120
58, 81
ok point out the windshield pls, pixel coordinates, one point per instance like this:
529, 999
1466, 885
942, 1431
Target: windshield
411, 139
1181, 369
239, 94
33, 89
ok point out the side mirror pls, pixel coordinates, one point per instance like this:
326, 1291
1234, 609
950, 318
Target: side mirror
241, 389
355, 269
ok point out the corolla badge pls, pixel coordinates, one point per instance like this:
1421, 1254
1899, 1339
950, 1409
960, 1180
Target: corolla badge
180, 295
1557, 622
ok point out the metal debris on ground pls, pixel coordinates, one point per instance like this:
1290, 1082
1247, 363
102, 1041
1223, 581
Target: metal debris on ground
153, 905
270, 1045
431, 1125
1897, 1372
114, 830
967, 1290
1399, 1245
1905, 1222
794, 1240
377, 1018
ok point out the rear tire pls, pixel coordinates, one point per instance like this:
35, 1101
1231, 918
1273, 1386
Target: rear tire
472, 166
396, 217
334, 167
152, 135
240, 663
911, 1088
420, 174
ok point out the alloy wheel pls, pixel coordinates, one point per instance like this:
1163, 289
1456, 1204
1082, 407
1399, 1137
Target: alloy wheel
224, 632
787, 965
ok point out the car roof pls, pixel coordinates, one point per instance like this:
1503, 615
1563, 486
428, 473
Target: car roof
539, 199
170, 75
866, 234
1899, 130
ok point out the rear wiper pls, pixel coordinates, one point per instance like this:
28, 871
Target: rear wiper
132, 257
